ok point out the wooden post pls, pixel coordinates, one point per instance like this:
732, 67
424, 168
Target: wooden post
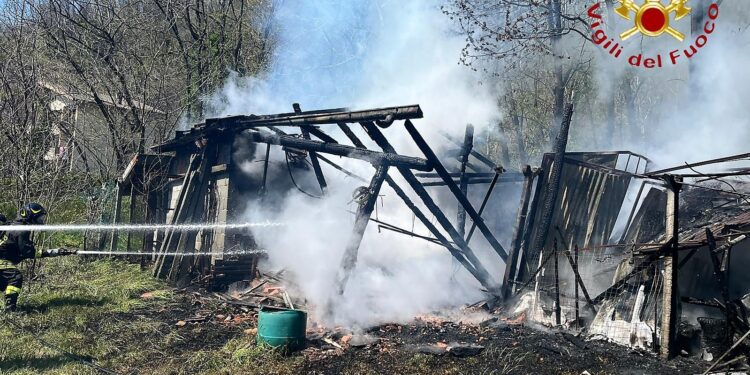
523, 267
670, 308
265, 170
553, 186
464, 186
116, 217
523, 211
557, 286
131, 212
349, 260
575, 270
313, 156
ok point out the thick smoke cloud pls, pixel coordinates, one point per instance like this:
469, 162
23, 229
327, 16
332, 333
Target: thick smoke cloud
341, 53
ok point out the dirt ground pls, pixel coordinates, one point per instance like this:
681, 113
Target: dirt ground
413, 348
116, 316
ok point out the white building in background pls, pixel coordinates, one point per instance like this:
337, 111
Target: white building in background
83, 139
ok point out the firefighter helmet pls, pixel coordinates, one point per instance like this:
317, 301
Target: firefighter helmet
33, 213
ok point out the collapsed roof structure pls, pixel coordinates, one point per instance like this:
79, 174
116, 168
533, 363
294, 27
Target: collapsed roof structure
202, 183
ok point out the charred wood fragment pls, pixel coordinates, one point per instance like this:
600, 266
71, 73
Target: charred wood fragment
463, 185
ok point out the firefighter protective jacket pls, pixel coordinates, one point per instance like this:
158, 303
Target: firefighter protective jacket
15, 247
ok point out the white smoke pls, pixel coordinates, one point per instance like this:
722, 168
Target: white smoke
341, 53
687, 116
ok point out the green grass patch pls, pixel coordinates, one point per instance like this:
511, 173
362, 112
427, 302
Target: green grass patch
95, 310
70, 297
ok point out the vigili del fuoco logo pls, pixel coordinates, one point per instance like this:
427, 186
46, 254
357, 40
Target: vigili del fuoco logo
653, 19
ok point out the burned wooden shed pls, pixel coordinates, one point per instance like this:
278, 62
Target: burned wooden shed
202, 182
638, 257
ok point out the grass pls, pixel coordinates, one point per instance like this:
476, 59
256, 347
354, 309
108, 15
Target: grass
70, 297
94, 309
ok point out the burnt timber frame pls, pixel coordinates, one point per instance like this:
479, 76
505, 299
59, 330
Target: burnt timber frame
267, 130
440, 169
480, 272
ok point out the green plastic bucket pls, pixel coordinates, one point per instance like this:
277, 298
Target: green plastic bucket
282, 328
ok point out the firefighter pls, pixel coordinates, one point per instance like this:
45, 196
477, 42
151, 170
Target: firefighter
16, 246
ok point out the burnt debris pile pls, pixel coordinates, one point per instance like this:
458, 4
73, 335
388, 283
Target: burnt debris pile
652, 260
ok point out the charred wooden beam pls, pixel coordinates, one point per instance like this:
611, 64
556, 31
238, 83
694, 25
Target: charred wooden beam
376, 158
234, 124
382, 115
481, 273
579, 281
477, 181
466, 258
313, 155
265, 170
553, 186
340, 168
320, 134
670, 294
182, 199
179, 270
440, 169
733, 347
349, 259
483, 205
515, 247
463, 185
458, 174
523, 266
558, 308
